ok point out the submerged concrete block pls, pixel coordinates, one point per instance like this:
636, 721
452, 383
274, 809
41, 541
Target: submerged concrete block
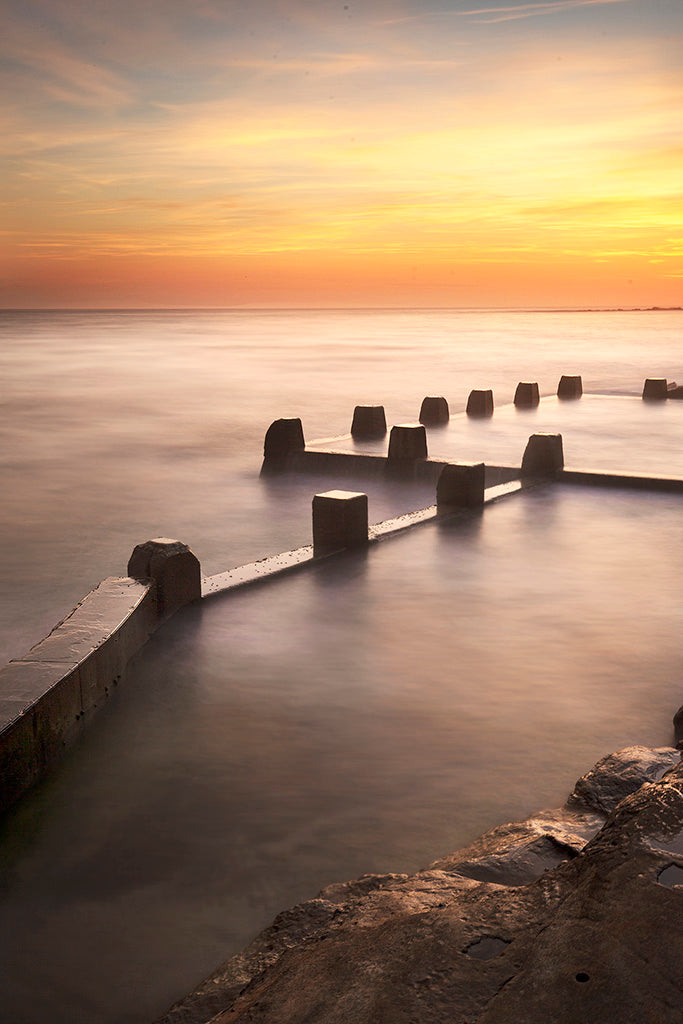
526, 395
480, 403
543, 455
173, 567
655, 389
340, 520
434, 411
369, 421
283, 437
570, 387
408, 441
460, 485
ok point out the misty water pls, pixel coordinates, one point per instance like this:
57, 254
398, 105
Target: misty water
368, 715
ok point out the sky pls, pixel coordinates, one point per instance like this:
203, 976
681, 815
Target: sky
289, 153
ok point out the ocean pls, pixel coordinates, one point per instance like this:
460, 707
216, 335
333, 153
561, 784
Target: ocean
367, 718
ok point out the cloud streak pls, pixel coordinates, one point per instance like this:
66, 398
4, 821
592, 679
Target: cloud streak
515, 11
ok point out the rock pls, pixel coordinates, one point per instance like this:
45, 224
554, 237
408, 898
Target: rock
518, 853
617, 775
596, 938
678, 728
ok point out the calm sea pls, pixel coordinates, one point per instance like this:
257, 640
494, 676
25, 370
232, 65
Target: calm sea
120, 426
368, 717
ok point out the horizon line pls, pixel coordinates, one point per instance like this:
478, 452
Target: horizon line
338, 309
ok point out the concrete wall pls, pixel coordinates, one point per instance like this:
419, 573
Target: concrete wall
47, 695
375, 467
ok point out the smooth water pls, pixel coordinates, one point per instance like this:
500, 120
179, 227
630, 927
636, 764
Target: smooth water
369, 715
118, 426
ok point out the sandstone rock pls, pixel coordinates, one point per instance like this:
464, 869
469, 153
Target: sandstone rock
678, 728
518, 853
617, 775
596, 939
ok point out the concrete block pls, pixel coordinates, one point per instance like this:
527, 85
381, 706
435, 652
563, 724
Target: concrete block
543, 456
283, 437
655, 389
526, 395
408, 441
480, 403
434, 411
369, 421
570, 387
174, 569
340, 520
460, 485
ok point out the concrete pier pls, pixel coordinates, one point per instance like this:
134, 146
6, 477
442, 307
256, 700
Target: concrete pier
527, 395
340, 520
407, 441
655, 389
460, 485
434, 411
570, 387
543, 456
480, 403
369, 421
174, 569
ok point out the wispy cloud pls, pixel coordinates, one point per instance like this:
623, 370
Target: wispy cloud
532, 10
506, 12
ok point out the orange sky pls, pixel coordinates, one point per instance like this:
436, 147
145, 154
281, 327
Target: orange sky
316, 153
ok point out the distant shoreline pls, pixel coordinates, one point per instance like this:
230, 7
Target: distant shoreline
343, 309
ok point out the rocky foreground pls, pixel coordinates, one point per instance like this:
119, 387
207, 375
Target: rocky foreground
573, 916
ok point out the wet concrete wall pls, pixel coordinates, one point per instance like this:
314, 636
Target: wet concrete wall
47, 696
49, 693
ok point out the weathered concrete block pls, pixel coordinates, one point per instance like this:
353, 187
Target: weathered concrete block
369, 421
655, 389
543, 455
283, 437
460, 485
408, 441
434, 411
340, 520
527, 395
570, 387
173, 567
480, 403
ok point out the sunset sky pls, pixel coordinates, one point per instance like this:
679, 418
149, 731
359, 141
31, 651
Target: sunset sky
317, 153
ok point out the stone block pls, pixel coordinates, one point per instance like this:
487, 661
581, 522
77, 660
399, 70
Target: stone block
570, 386
460, 485
434, 411
655, 389
283, 437
369, 421
340, 520
480, 403
173, 567
408, 441
543, 455
527, 395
